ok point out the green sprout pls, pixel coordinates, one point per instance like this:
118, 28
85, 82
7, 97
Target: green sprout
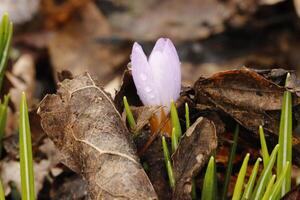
285, 140
6, 31
280, 181
174, 140
209, 184
2, 195
264, 148
3, 117
251, 182
175, 120
263, 179
129, 115
168, 162
187, 116
240, 180
269, 188
26, 161
230, 163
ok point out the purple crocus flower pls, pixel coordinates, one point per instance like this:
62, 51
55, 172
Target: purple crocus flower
157, 79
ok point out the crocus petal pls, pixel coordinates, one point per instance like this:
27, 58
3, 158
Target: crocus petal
143, 77
158, 81
165, 66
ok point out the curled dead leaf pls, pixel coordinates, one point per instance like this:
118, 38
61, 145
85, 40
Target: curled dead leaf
245, 95
193, 151
86, 127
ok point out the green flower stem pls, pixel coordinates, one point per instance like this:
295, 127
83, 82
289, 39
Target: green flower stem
269, 188
168, 162
187, 116
26, 161
175, 120
285, 140
209, 185
129, 114
263, 179
230, 163
251, 182
240, 180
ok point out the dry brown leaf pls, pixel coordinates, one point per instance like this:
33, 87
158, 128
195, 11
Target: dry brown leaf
88, 130
245, 95
193, 151
293, 195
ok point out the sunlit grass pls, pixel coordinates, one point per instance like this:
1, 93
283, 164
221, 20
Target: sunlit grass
187, 116
3, 117
168, 162
285, 140
175, 120
26, 161
251, 181
6, 31
237, 193
2, 195
129, 115
263, 178
209, 184
269, 188
279, 182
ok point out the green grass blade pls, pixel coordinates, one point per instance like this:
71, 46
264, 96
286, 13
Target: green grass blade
129, 114
168, 162
240, 180
3, 117
175, 120
2, 195
26, 161
208, 189
251, 182
264, 148
280, 181
174, 140
230, 163
263, 179
269, 188
194, 192
285, 140
187, 116
6, 31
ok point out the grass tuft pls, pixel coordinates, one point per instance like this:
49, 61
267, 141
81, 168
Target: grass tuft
237, 193
26, 161
129, 115
175, 120
6, 31
285, 140
209, 185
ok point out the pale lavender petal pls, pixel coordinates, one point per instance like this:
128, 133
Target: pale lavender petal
159, 45
142, 77
171, 53
165, 66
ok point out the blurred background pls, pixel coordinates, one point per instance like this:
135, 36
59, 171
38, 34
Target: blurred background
97, 36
